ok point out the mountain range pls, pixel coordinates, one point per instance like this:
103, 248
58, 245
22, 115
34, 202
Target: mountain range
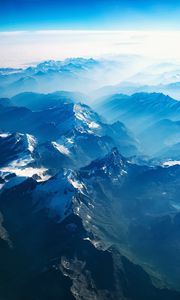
89, 197
152, 117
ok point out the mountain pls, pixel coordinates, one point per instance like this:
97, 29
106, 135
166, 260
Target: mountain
74, 74
84, 213
65, 135
153, 78
34, 101
162, 134
129, 88
58, 246
134, 209
19, 160
169, 152
62, 117
71, 74
52, 252
153, 118
15, 146
162, 73
140, 109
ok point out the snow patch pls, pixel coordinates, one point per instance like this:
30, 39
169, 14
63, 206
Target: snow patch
171, 163
4, 135
61, 148
31, 142
76, 184
70, 141
83, 115
93, 125
80, 114
28, 172
1, 185
21, 162
123, 172
89, 217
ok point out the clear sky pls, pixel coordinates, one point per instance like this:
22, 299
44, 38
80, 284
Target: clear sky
89, 14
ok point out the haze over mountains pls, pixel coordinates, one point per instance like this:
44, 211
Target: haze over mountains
125, 74
89, 181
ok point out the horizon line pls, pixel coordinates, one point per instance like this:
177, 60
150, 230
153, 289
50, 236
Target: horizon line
87, 30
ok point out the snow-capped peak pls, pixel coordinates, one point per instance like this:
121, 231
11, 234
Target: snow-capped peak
86, 116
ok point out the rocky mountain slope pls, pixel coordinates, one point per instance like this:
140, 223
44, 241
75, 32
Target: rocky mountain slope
80, 218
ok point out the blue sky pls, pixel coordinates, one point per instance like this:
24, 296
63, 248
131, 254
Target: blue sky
92, 14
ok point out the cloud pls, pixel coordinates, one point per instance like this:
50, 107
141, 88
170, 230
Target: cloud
23, 47
11, 33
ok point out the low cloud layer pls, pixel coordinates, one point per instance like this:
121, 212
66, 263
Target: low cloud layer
20, 48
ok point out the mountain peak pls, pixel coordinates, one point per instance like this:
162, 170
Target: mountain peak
112, 165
